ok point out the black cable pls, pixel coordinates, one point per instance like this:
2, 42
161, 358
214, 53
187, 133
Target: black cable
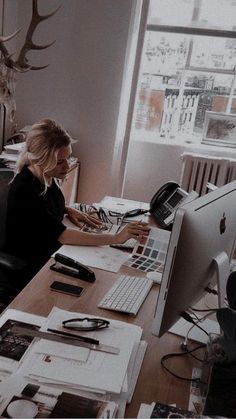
189, 319
211, 290
178, 354
194, 356
205, 309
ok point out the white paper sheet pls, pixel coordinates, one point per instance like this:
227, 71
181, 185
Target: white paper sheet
101, 257
122, 205
102, 370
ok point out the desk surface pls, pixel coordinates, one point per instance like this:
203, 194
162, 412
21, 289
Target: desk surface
154, 384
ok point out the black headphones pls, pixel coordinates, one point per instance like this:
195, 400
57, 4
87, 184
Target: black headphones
231, 290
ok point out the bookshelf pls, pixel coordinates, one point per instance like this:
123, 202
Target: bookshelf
69, 186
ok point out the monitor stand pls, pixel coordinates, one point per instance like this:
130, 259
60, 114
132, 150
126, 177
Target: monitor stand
182, 327
222, 265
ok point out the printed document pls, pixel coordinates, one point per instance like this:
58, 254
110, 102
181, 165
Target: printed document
13, 349
100, 371
101, 257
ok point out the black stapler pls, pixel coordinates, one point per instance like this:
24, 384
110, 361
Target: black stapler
71, 267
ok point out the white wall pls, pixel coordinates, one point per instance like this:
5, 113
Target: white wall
81, 87
149, 165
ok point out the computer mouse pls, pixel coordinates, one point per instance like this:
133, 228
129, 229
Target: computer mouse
155, 276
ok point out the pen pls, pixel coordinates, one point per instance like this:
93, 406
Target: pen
73, 335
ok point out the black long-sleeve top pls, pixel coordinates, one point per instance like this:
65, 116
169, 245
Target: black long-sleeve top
34, 220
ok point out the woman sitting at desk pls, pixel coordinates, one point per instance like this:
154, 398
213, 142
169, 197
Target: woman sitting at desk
36, 205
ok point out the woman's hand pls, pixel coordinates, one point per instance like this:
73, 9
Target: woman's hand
80, 218
134, 230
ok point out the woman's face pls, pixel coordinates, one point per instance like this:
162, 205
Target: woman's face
63, 159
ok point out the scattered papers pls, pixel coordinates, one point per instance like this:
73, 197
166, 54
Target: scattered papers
97, 371
101, 257
105, 228
48, 376
11, 153
122, 205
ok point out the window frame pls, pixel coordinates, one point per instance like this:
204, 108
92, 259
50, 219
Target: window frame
124, 135
186, 30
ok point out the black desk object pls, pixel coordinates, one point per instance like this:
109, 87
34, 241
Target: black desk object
221, 399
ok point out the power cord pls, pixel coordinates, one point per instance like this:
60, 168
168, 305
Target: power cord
189, 319
179, 354
185, 349
184, 345
211, 290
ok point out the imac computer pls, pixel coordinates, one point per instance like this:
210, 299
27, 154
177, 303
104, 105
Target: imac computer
201, 246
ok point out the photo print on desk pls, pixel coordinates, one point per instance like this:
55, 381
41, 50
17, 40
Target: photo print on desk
11, 345
42, 401
161, 410
149, 254
104, 228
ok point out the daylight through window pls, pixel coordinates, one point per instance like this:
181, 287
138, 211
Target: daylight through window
187, 68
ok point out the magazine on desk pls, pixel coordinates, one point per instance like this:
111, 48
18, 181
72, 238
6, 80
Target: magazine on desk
21, 398
115, 211
162, 410
13, 349
100, 257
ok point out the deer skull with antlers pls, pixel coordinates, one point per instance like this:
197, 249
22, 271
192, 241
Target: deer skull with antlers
10, 66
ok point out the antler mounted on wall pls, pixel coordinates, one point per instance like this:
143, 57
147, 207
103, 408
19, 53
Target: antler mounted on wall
10, 66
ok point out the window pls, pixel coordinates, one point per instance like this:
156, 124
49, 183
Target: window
188, 66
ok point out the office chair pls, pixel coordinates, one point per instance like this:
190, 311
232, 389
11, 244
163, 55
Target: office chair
11, 267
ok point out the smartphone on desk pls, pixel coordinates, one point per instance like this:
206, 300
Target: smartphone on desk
66, 288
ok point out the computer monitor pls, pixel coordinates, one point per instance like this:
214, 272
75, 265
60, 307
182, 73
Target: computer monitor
201, 246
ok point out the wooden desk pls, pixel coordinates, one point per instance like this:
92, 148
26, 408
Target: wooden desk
153, 384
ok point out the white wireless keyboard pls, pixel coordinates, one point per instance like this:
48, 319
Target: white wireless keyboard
127, 294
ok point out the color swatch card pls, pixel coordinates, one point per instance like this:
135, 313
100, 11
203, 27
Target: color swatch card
149, 254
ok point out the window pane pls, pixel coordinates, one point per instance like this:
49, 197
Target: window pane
164, 56
171, 98
171, 12
233, 106
203, 92
183, 75
164, 53
218, 13
217, 53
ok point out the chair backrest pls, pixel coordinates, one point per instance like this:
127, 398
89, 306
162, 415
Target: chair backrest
6, 176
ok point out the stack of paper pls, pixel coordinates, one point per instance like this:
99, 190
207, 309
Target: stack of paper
10, 154
122, 205
100, 257
69, 370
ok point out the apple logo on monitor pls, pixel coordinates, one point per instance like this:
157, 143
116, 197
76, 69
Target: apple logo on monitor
222, 224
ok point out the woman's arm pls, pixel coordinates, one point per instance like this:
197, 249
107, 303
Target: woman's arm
131, 230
